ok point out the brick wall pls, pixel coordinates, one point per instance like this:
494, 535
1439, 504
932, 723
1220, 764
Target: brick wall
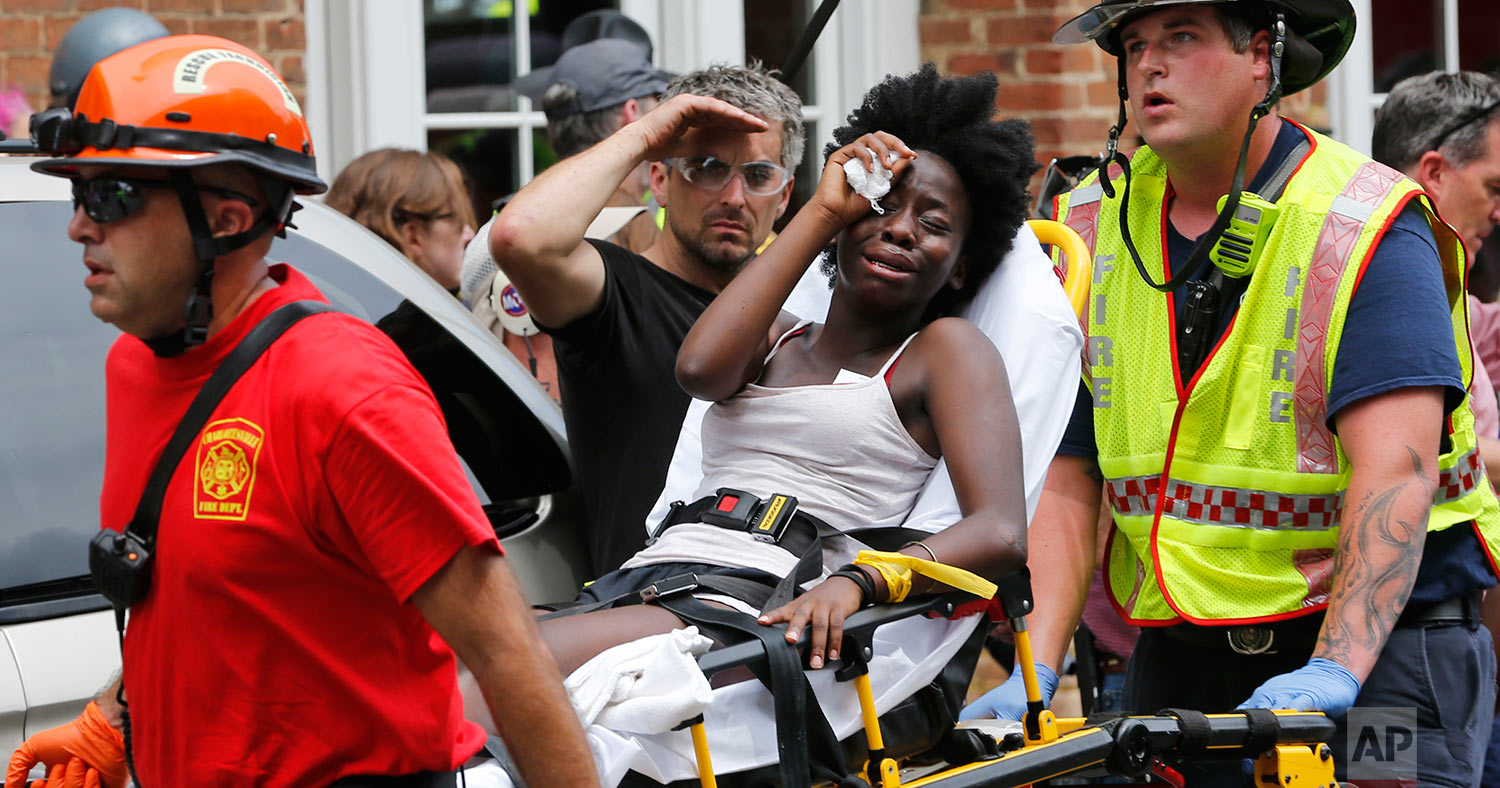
31, 29
1068, 93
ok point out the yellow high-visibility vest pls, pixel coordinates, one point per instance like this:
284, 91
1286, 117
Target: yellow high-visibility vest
1228, 493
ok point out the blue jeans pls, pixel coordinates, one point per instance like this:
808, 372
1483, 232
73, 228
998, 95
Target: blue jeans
1111, 692
1444, 672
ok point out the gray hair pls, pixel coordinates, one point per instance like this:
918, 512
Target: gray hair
1420, 109
579, 131
755, 90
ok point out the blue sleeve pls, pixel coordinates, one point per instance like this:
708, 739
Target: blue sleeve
1078, 438
1398, 332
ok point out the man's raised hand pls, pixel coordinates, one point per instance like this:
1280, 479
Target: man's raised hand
661, 131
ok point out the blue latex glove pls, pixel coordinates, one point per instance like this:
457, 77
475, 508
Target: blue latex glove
1320, 685
1008, 701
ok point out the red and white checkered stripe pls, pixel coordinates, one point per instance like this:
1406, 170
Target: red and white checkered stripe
1243, 508
1226, 506
1460, 480
1133, 496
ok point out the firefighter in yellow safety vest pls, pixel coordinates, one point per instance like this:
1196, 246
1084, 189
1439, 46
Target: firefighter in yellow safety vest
1273, 407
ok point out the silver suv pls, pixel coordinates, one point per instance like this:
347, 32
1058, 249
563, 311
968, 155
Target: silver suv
57, 641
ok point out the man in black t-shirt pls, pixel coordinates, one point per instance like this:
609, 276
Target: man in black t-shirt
723, 147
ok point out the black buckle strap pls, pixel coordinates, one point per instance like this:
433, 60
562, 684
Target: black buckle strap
769, 520
675, 584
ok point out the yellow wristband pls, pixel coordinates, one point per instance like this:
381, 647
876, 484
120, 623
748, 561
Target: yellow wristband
901, 566
897, 577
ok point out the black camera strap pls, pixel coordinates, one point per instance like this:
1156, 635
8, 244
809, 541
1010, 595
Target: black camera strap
126, 579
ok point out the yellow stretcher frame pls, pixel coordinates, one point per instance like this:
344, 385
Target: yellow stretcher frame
1055, 747
1079, 270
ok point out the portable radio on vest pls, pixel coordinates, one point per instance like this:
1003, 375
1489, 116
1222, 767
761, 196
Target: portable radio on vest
1239, 246
1201, 314
1234, 255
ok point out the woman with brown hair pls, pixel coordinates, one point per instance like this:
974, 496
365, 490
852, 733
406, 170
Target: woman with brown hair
415, 201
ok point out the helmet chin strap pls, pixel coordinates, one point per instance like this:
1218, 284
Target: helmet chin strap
1206, 242
199, 310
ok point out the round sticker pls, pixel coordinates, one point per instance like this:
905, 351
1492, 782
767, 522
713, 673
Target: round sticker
511, 302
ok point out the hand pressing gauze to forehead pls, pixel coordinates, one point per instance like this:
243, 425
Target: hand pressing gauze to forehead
870, 185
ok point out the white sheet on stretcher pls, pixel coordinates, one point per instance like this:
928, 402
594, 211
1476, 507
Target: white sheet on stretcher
1023, 310
741, 723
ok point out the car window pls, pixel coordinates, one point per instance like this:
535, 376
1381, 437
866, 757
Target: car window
52, 392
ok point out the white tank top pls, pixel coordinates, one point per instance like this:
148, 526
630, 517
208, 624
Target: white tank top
840, 448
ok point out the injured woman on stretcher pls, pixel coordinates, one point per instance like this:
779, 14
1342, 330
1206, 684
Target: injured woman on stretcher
849, 417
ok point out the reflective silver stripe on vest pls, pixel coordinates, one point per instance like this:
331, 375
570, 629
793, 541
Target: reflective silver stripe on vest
1085, 195
1233, 507
1341, 229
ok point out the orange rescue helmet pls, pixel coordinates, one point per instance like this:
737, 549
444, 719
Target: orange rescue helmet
183, 101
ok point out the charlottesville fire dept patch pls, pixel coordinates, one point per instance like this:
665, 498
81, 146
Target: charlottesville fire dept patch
225, 469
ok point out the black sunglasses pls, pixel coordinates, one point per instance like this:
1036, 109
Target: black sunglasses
1464, 121
109, 198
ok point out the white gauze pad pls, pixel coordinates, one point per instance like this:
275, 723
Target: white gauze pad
869, 185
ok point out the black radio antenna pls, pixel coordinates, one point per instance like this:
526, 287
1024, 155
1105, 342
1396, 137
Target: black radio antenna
809, 37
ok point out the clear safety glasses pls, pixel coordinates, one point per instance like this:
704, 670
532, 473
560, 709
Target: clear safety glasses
711, 174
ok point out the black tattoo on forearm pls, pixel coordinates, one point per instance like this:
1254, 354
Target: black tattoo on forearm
1379, 550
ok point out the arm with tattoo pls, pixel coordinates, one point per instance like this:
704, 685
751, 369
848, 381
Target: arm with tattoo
1391, 442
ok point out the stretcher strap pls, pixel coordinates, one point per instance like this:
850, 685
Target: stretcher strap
805, 741
1194, 727
747, 585
1265, 730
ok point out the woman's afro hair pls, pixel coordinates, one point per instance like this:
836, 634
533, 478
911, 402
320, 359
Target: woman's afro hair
953, 117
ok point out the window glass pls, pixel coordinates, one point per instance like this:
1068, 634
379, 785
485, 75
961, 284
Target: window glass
52, 391
1407, 39
489, 159
471, 49
471, 52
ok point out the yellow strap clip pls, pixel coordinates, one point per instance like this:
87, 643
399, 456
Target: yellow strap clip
897, 569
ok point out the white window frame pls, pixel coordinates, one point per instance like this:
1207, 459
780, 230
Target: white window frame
366, 68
